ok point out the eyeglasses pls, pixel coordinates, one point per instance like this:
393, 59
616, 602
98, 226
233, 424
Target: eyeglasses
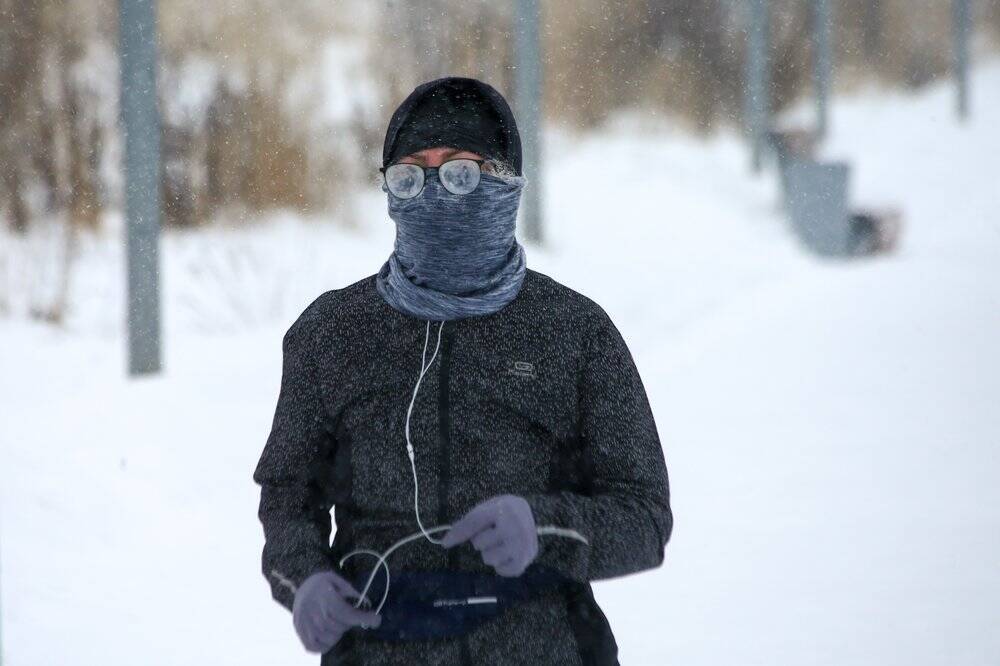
458, 176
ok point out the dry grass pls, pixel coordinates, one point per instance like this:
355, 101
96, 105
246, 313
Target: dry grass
255, 145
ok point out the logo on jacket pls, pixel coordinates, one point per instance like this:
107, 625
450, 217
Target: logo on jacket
522, 369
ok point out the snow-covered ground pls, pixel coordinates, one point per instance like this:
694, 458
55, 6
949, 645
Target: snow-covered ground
830, 428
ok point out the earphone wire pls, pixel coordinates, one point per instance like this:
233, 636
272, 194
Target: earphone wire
424, 367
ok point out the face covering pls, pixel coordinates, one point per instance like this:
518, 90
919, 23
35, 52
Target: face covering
455, 256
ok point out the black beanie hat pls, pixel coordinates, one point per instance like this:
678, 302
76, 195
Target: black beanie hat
458, 112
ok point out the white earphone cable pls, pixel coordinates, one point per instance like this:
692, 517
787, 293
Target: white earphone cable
409, 446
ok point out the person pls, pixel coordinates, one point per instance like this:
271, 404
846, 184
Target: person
479, 429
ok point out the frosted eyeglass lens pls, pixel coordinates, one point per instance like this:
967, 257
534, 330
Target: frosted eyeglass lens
404, 180
459, 176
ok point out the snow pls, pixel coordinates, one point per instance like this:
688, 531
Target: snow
830, 427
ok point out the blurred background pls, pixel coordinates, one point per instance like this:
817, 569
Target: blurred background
789, 208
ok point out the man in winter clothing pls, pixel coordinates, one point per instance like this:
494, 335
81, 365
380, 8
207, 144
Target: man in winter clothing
480, 429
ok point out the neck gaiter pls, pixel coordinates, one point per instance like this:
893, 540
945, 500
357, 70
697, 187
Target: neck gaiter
455, 255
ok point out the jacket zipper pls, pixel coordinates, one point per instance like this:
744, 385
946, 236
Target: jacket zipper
444, 434
444, 478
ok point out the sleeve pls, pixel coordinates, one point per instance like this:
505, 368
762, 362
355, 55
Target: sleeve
293, 508
625, 512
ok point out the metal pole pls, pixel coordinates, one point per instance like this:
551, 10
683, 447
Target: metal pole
141, 123
528, 98
822, 62
961, 27
758, 83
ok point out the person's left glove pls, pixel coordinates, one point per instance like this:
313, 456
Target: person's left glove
503, 529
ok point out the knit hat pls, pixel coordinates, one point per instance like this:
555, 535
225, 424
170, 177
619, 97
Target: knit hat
458, 112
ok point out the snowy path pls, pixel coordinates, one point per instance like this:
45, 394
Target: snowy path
830, 430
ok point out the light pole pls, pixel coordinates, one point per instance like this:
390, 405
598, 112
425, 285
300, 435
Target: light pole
141, 124
961, 27
528, 98
757, 106
822, 62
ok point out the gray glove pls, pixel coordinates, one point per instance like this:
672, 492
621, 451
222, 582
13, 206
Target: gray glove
503, 529
322, 614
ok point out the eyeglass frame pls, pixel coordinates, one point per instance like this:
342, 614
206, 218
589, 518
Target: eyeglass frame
425, 169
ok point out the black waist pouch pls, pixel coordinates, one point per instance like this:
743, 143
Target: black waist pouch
444, 604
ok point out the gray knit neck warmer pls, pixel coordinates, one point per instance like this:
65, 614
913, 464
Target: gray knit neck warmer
455, 256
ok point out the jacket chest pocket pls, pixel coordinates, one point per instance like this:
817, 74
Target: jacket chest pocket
532, 394
515, 410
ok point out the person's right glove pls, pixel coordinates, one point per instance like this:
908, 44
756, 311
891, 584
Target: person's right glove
322, 614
